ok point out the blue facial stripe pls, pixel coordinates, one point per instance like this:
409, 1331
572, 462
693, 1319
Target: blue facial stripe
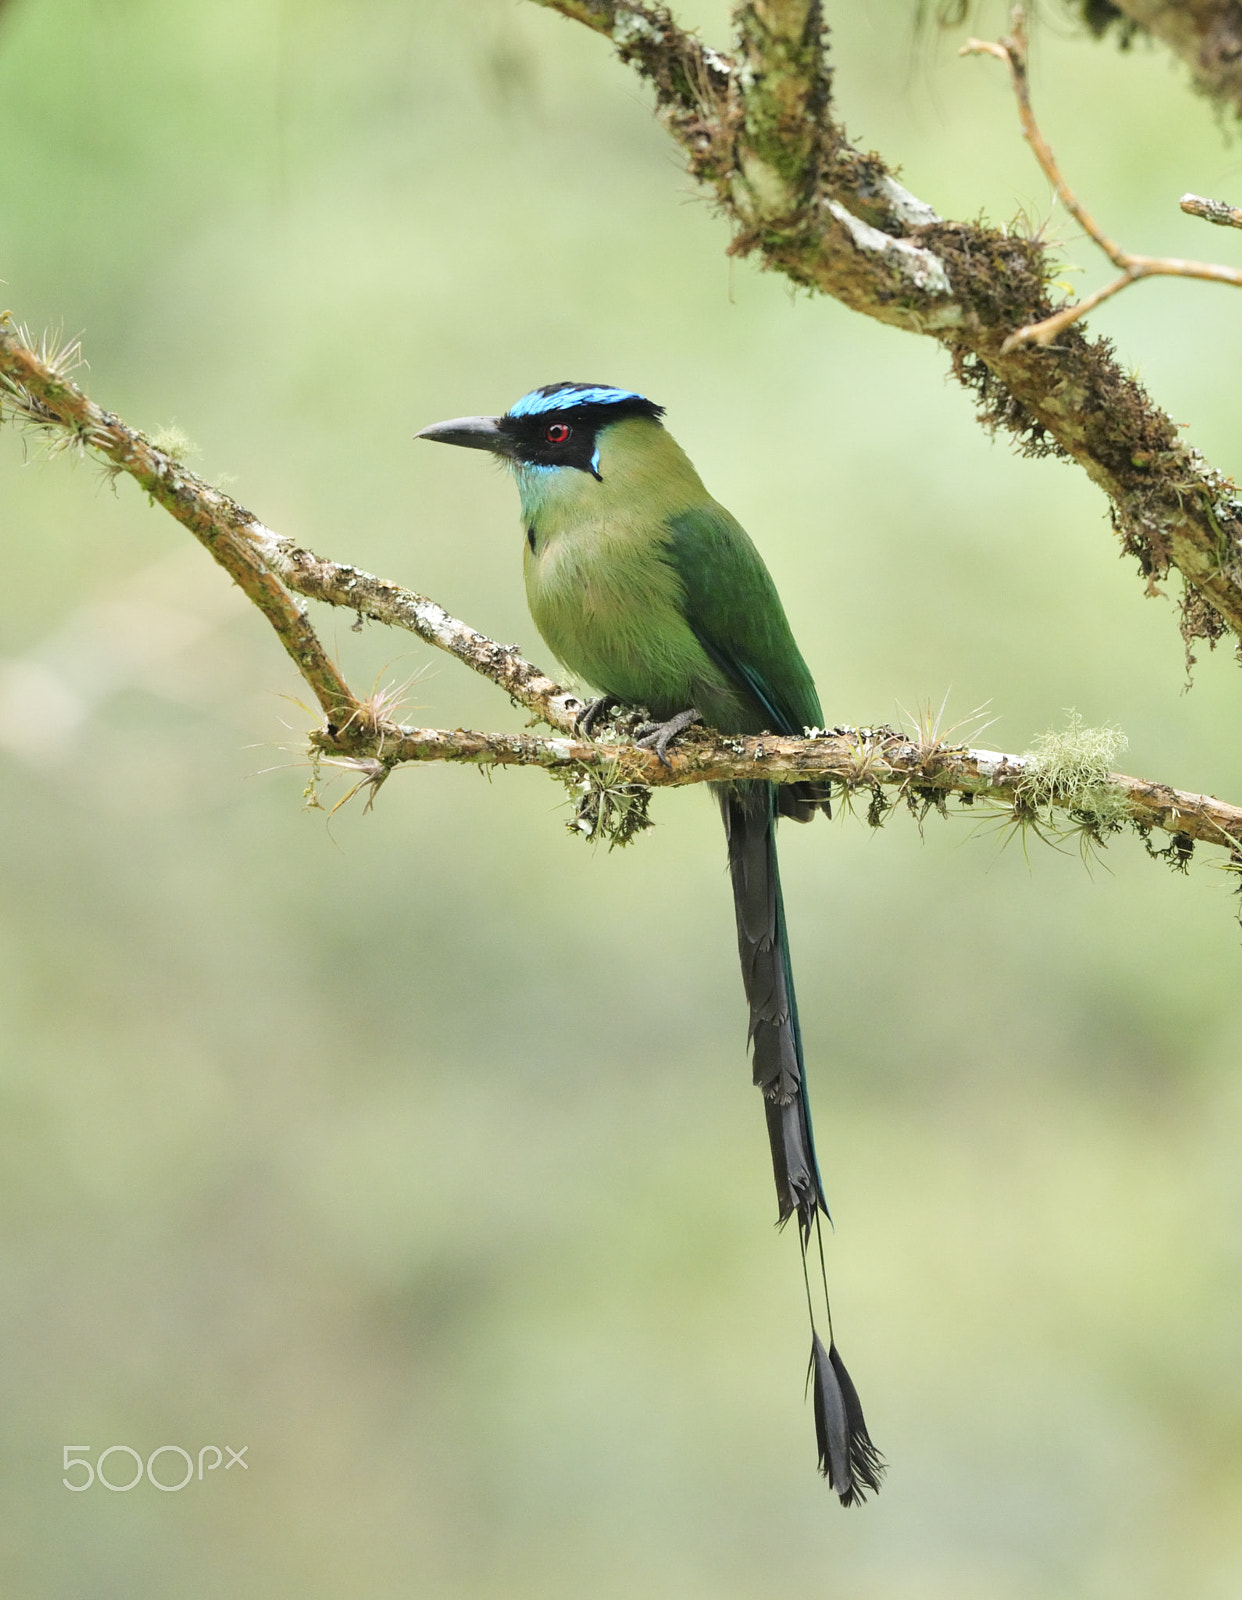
531, 405
595, 462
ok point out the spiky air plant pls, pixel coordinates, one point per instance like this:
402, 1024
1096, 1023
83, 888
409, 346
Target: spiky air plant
61, 356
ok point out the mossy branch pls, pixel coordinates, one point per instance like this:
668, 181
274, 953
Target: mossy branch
1063, 782
1205, 34
1066, 788
35, 387
856, 234
782, 51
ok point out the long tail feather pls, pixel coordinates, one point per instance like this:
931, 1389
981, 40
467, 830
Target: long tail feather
798, 1187
867, 1465
750, 827
847, 1457
831, 1428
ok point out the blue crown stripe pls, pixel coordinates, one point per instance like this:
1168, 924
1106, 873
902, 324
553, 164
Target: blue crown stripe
531, 405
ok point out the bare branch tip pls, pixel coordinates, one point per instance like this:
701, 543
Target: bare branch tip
1219, 212
984, 47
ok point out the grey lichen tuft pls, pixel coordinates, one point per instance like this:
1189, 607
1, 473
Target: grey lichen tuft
175, 443
606, 810
1071, 770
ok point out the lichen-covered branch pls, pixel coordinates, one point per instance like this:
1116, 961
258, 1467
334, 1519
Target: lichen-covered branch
612, 780
380, 601
782, 54
873, 761
36, 387
858, 235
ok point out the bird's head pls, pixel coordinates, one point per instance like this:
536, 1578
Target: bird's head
560, 428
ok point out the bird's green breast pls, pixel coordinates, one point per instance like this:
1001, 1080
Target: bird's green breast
624, 578
599, 583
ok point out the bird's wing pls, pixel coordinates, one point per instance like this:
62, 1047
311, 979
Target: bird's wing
736, 614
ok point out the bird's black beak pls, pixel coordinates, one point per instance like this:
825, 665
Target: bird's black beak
475, 433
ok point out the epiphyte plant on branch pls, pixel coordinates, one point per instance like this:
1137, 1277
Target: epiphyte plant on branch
647, 589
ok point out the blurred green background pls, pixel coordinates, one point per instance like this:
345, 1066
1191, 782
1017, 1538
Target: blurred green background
416, 1151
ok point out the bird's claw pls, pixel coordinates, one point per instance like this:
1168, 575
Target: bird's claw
593, 711
658, 735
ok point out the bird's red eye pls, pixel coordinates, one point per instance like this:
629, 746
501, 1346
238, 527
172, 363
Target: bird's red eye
557, 433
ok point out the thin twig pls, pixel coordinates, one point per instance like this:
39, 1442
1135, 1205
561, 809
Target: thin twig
1012, 51
1218, 211
381, 601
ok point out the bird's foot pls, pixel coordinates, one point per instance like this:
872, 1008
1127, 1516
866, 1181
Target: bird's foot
658, 735
593, 711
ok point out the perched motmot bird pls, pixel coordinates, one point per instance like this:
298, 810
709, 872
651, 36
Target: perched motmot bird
652, 593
